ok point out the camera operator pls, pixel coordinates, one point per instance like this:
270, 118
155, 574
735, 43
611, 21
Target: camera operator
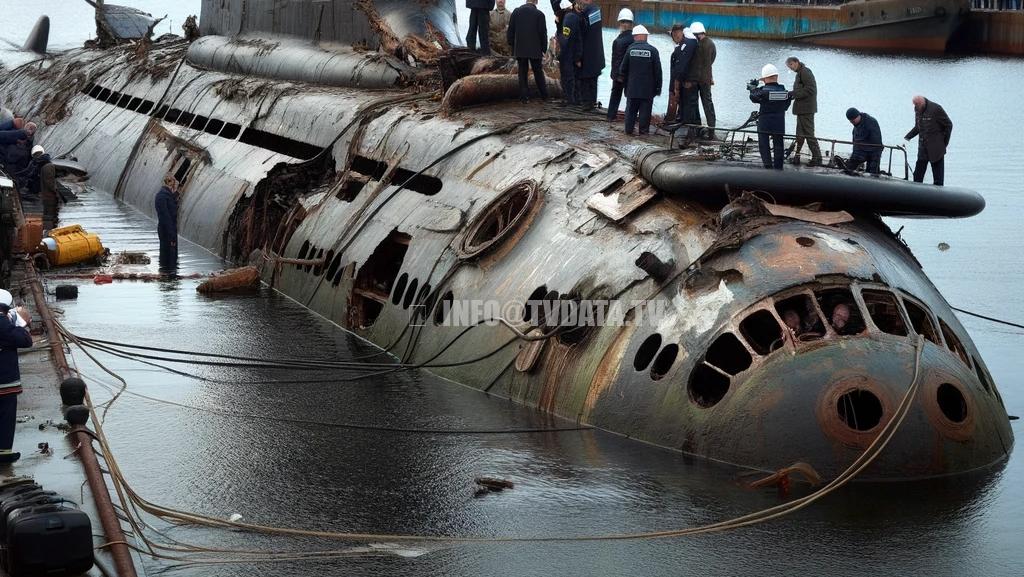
14, 335
771, 121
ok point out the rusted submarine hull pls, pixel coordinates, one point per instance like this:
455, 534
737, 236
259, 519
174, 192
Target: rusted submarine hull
382, 210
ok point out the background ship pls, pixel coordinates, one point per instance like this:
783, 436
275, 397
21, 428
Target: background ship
906, 25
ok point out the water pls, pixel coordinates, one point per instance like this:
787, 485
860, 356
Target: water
317, 476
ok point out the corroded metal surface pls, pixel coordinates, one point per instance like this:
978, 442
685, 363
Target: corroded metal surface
361, 201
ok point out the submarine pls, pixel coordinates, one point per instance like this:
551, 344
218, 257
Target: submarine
387, 178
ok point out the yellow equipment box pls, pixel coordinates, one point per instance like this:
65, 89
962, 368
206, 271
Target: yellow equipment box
71, 245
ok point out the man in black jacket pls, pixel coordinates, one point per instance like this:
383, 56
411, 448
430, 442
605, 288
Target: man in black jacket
867, 141
641, 68
14, 335
479, 24
619, 46
570, 52
593, 55
933, 128
687, 104
771, 119
166, 205
528, 37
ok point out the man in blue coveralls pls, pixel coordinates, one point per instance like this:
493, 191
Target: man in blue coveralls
641, 67
570, 52
771, 121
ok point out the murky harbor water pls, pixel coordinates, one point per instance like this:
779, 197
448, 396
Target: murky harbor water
567, 483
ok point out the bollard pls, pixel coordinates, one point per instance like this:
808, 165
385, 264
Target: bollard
72, 391
77, 415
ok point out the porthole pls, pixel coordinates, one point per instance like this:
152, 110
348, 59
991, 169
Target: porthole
396, 295
762, 332
499, 219
645, 354
951, 402
861, 410
332, 269
303, 250
729, 354
319, 267
663, 363
707, 386
410, 293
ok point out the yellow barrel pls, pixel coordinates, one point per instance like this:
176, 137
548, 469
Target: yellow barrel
71, 245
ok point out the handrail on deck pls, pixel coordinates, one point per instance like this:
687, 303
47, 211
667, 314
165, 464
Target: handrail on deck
792, 137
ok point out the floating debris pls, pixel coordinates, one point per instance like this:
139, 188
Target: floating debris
943, 246
239, 279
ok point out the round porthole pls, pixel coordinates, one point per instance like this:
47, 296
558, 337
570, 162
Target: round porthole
645, 354
499, 219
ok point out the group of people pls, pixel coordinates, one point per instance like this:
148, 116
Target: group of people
28, 164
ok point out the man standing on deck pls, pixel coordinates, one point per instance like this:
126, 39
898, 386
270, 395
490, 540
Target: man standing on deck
44, 184
701, 75
593, 55
682, 60
805, 106
619, 46
528, 37
14, 335
641, 67
479, 25
570, 53
771, 121
499, 24
167, 223
933, 128
867, 141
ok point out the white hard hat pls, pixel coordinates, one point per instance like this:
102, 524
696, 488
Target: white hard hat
565, 5
6, 298
687, 33
769, 70
625, 15
698, 28
37, 150
640, 30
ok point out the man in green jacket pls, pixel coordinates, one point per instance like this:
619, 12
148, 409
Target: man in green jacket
805, 106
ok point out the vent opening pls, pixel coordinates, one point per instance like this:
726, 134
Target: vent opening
443, 308
762, 332
214, 126
123, 101
146, 107
421, 183
279, 144
952, 402
410, 293
231, 131
859, 409
885, 312
332, 269
707, 386
500, 218
172, 115
953, 342
982, 377
729, 354
396, 295
645, 354
663, 364
104, 95
303, 250
375, 169
376, 278
841, 310
533, 307
922, 322
134, 103
162, 111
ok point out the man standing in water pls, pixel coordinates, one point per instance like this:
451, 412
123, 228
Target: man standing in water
167, 223
933, 128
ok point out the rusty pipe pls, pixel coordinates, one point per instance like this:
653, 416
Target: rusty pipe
101, 495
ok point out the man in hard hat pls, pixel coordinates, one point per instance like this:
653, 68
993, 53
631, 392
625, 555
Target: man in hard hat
641, 67
771, 120
14, 335
479, 25
805, 106
619, 46
166, 205
933, 128
701, 74
43, 183
867, 141
570, 52
528, 36
593, 62
682, 59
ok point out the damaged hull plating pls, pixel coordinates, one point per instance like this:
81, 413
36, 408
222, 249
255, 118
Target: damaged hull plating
378, 209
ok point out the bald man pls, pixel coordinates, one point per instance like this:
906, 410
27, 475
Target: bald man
933, 128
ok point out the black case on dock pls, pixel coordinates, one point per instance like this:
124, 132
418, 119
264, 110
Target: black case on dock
35, 498
48, 541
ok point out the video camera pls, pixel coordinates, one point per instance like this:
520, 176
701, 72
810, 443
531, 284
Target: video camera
753, 83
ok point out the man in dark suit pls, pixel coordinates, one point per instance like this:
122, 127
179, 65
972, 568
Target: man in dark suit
933, 128
528, 37
479, 24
